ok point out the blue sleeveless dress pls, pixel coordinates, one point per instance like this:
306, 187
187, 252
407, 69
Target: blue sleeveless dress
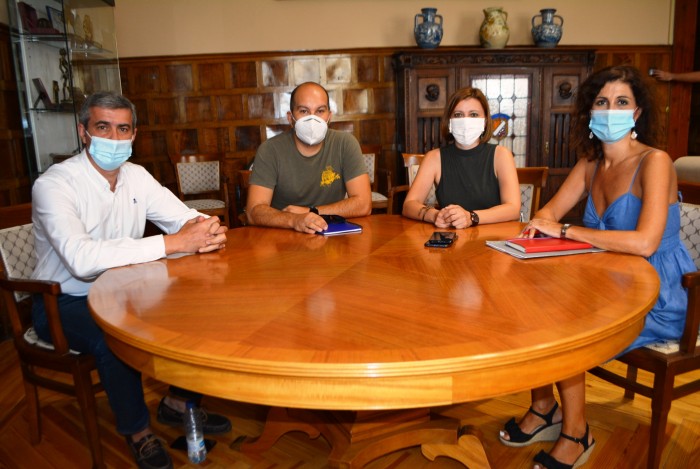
671, 260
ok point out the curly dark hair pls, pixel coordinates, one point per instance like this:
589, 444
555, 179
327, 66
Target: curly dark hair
646, 125
456, 98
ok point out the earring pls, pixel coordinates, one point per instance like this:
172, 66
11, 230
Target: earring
634, 135
590, 136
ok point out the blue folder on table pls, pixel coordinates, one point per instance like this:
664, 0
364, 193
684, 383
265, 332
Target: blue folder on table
337, 225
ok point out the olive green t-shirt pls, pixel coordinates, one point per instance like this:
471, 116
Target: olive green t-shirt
305, 181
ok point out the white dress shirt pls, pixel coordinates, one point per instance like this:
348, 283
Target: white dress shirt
82, 228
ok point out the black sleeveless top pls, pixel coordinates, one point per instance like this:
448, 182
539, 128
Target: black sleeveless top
468, 177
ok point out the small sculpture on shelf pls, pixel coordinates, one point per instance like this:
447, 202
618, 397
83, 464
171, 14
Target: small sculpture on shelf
65, 77
77, 24
87, 28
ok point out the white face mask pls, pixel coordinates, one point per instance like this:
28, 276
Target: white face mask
467, 130
311, 129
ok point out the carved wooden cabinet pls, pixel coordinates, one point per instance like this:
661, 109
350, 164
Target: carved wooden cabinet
531, 93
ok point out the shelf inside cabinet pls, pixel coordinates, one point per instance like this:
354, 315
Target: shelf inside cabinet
58, 110
76, 44
53, 40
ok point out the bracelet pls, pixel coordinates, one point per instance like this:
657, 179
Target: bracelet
424, 211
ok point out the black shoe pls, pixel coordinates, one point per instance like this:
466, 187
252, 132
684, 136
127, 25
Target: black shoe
150, 453
212, 424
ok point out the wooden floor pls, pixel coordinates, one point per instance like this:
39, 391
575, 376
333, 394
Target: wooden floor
620, 427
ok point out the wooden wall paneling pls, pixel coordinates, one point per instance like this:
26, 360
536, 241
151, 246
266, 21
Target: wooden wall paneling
684, 43
644, 58
15, 182
231, 103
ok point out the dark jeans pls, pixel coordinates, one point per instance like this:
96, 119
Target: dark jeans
121, 383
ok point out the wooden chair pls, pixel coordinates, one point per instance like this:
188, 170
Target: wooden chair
670, 359
411, 161
690, 219
531, 180
39, 360
371, 153
201, 185
242, 183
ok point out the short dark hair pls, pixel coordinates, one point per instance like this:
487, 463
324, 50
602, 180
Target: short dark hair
107, 100
292, 102
646, 125
454, 100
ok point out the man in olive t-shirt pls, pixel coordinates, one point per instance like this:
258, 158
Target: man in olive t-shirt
307, 171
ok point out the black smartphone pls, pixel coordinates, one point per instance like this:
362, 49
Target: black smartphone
181, 443
441, 239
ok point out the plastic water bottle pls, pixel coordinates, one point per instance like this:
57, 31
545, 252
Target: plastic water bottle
196, 451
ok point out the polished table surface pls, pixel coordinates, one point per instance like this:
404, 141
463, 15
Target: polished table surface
373, 323
373, 320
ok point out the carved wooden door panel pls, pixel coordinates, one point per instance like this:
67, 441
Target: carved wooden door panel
560, 86
429, 91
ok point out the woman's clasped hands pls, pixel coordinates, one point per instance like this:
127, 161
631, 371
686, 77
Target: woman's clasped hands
453, 216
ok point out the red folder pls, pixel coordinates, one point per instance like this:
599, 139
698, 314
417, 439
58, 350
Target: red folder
546, 244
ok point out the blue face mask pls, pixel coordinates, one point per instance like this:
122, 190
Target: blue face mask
109, 154
611, 125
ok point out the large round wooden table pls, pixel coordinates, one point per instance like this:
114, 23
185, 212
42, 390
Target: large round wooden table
371, 323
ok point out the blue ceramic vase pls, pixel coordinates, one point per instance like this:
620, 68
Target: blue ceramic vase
548, 32
428, 32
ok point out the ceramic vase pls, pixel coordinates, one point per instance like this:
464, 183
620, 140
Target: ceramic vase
494, 32
548, 32
428, 31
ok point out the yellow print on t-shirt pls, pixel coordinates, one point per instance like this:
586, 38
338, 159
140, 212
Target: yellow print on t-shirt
328, 176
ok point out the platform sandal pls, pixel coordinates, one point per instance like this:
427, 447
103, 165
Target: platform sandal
549, 462
549, 431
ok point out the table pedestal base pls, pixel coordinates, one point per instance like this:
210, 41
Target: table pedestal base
356, 438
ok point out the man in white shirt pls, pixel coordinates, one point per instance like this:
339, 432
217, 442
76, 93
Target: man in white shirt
89, 215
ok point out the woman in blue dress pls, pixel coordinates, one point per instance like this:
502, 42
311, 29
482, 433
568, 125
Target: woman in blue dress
632, 207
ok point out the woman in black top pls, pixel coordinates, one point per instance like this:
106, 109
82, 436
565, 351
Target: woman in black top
476, 181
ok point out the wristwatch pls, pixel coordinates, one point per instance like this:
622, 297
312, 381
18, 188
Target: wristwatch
564, 227
475, 218
313, 209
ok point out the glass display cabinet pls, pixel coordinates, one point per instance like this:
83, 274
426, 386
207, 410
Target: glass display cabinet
63, 51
